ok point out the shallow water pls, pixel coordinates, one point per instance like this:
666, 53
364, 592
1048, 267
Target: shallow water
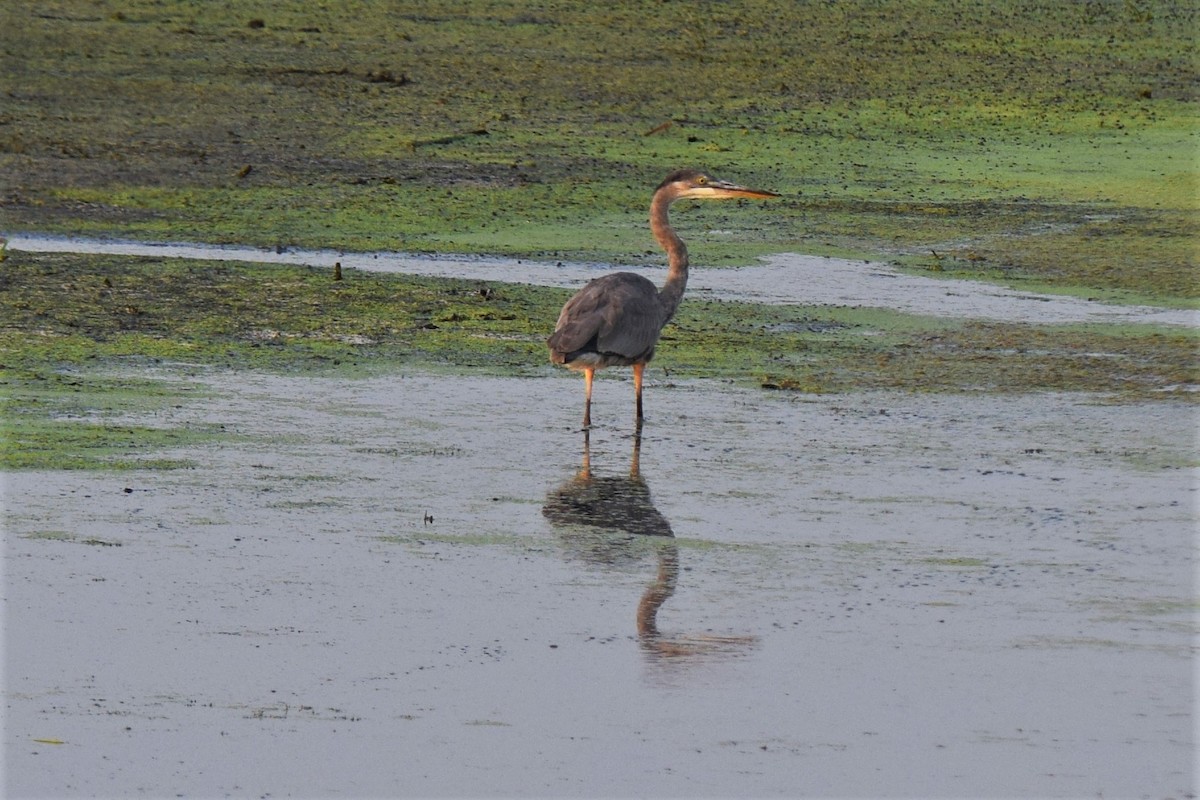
783, 279
386, 587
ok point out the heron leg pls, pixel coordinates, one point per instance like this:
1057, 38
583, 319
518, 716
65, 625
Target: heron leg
635, 462
585, 471
638, 369
588, 375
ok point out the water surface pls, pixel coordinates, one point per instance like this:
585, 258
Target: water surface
785, 279
370, 592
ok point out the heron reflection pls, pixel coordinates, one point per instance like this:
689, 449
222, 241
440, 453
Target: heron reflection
611, 520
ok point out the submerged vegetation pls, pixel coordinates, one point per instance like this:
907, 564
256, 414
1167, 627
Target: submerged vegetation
64, 313
76, 310
1046, 145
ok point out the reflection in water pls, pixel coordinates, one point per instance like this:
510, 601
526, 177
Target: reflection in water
610, 521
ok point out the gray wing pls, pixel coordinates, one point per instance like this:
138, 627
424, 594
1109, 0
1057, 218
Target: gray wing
621, 312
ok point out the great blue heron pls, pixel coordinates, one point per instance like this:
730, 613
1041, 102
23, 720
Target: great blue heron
616, 320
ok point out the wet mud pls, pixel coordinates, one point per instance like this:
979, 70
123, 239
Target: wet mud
789, 278
415, 585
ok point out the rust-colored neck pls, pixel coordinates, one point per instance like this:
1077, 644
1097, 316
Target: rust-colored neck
677, 254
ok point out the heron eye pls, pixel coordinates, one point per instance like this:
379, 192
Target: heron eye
702, 180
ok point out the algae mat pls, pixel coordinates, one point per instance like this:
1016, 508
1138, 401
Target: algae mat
1040, 143
786, 278
373, 590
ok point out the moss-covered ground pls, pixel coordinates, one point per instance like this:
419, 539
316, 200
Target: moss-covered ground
64, 313
1053, 142
1047, 145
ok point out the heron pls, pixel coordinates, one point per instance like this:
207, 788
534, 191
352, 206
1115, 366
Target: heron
616, 320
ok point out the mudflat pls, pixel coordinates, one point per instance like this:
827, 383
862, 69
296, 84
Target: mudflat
365, 589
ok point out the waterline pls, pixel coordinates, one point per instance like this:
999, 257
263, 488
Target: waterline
785, 279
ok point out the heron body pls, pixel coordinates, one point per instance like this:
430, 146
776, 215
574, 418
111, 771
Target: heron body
616, 320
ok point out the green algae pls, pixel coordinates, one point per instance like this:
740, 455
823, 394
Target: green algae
68, 310
38, 444
85, 340
61, 412
964, 562
64, 536
993, 133
419, 539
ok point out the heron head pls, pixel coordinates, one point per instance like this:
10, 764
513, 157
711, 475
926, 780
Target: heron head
697, 185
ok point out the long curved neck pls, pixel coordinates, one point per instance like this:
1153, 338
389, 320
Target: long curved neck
677, 254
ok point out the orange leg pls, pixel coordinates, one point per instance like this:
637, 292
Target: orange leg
588, 375
638, 369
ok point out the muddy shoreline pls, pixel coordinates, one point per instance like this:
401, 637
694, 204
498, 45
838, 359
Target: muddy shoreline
790, 278
361, 595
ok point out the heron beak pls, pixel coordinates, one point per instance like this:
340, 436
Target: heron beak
719, 190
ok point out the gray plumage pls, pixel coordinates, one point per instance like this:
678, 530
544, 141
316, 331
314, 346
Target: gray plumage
612, 321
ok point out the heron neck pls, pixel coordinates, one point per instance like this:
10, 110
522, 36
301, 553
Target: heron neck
677, 254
